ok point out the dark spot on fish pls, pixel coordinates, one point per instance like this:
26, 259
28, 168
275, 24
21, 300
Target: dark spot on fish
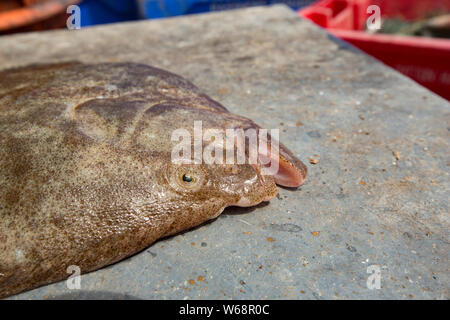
18, 156
12, 196
244, 58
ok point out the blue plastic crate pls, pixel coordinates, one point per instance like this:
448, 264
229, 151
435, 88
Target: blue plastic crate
107, 11
168, 8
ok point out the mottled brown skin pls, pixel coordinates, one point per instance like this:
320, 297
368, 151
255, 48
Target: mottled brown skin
85, 171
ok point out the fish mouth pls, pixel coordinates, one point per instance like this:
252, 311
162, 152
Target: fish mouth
291, 171
267, 190
246, 202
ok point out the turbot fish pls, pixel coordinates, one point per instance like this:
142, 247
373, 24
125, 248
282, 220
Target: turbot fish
87, 175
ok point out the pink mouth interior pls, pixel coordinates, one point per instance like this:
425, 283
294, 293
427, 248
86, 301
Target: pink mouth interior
291, 171
289, 174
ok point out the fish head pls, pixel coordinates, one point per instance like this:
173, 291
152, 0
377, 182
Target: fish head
225, 184
164, 120
190, 194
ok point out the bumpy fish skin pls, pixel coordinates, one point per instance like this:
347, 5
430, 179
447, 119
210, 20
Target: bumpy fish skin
86, 176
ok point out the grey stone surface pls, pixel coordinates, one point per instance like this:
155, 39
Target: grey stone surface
360, 206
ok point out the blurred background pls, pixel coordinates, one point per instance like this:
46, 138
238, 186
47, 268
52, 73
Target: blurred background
413, 36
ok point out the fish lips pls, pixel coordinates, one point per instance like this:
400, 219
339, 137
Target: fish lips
291, 172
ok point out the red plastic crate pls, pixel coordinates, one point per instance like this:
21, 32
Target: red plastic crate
426, 60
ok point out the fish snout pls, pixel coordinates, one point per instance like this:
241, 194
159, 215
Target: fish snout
265, 190
290, 171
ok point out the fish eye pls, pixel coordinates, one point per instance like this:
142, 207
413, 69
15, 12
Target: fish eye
187, 178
